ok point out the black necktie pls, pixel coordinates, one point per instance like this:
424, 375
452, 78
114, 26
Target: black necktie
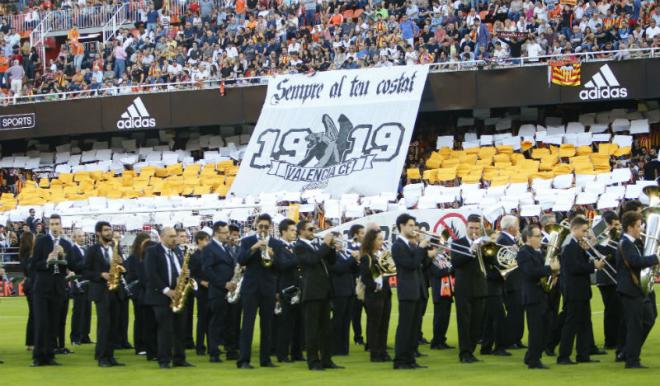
175, 275
106, 254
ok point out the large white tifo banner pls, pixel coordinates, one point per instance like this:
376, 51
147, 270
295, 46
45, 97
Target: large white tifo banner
434, 220
341, 131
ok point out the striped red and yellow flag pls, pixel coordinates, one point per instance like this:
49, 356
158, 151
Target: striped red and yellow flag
565, 74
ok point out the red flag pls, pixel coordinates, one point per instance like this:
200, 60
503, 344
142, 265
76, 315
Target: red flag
222, 88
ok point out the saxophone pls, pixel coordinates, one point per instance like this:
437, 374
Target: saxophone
184, 284
233, 296
116, 269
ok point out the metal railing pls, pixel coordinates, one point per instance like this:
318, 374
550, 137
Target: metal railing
86, 17
111, 26
82, 17
524, 61
37, 37
629, 54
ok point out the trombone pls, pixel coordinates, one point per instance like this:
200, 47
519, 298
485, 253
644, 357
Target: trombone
440, 241
594, 254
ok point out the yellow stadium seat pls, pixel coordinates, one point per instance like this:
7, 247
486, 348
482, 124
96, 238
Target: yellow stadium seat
44, 182
433, 163
504, 149
566, 150
539, 153
607, 148
471, 179
487, 152
430, 175
413, 174
622, 151
583, 150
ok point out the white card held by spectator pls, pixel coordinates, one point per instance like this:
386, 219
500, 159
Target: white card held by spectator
639, 126
445, 141
530, 210
574, 128
620, 124
623, 140
527, 130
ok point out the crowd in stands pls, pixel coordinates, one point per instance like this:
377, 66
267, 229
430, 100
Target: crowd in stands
226, 40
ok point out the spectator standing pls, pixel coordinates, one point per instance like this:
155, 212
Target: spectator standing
16, 73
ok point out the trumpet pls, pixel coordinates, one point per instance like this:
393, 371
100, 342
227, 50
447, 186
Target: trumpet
266, 260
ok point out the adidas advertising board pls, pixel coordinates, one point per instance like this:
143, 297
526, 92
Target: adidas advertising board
603, 85
136, 116
344, 131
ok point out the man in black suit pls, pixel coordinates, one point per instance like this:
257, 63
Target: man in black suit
553, 332
612, 303
49, 291
638, 314
31, 221
120, 334
316, 295
218, 267
232, 323
355, 234
82, 307
98, 258
470, 289
515, 318
163, 268
202, 293
575, 282
531, 264
258, 291
290, 324
441, 278
182, 242
409, 256
342, 272
495, 319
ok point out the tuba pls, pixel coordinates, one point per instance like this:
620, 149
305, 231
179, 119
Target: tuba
556, 236
116, 269
184, 284
652, 236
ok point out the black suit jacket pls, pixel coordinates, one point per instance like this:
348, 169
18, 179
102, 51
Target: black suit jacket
218, 267
135, 273
45, 282
576, 269
470, 281
316, 283
635, 263
95, 264
76, 287
342, 273
288, 267
257, 278
409, 260
156, 265
197, 273
531, 264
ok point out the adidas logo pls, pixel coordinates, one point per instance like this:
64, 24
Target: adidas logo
603, 85
136, 116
